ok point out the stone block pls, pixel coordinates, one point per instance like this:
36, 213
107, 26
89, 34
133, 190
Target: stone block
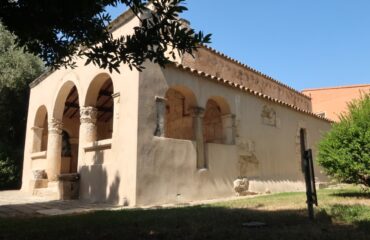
241, 186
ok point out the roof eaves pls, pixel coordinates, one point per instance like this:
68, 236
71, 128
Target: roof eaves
248, 90
41, 78
253, 70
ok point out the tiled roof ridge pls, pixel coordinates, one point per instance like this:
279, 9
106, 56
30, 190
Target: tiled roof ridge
248, 90
253, 70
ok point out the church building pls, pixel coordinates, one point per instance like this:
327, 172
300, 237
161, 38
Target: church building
165, 135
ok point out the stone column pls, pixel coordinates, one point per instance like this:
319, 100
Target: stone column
116, 101
198, 114
161, 115
88, 130
228, 127
37, 139
54, 149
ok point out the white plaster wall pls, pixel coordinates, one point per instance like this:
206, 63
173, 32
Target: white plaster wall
276, 148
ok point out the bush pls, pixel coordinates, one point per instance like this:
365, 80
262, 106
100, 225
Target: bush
344, 152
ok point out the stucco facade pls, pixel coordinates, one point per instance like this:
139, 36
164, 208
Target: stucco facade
174, 134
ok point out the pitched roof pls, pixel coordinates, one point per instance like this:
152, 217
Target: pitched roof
254, 71
242, 88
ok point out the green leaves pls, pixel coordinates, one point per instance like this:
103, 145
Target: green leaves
58, 30
17, 70
345, 150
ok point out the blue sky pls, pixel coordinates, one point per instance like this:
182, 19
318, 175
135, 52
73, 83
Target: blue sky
305, 44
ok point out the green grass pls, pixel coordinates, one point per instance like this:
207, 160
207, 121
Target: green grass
342, 214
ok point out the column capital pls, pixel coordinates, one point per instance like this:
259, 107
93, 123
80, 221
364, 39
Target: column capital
55, 126
88, 114
160, 99
197, 112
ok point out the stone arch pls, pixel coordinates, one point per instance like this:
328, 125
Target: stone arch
99, 97
62, 94
65, 118
180, 102
40, 130
217, 120
94, 88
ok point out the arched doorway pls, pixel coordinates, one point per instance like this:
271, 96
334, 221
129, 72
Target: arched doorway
64, 131
70, 133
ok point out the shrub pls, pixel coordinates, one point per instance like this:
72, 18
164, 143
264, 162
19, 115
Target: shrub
344, 152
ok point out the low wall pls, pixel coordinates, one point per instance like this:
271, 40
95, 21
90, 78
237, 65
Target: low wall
98, 180
170, 174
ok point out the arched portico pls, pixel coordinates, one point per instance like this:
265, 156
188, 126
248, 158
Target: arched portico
63, 137
97, 113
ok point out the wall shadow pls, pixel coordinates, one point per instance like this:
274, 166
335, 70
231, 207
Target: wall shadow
96, 184
200, 222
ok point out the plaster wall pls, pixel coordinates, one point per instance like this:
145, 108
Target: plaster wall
116, 178
271, 154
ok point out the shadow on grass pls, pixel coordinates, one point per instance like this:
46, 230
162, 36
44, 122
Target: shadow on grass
200, 222
357, 194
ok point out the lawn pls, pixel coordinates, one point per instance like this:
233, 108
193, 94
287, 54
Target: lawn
342, 214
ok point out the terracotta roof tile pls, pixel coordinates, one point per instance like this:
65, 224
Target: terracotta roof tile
248, 90
253, 70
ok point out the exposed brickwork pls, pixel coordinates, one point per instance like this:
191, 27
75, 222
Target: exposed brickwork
211, 62
212, 123
179, 122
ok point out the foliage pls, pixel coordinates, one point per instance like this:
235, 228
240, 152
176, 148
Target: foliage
345, 150
57, 31
17, 69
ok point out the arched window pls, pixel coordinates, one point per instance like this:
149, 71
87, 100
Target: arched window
40, 130
212, 123
218, 123
179, 120
100, 97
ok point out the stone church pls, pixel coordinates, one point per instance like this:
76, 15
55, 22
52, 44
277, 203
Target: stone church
165, 135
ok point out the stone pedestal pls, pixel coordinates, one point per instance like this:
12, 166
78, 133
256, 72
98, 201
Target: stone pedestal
68, 186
